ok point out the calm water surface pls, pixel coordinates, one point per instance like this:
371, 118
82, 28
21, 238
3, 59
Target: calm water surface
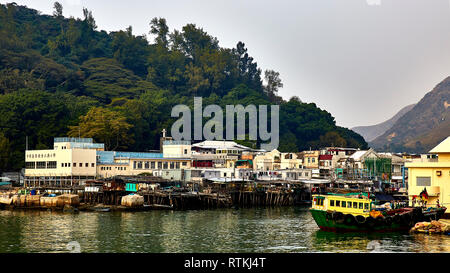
210, 231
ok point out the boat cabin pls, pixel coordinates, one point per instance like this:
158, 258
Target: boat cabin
344, 204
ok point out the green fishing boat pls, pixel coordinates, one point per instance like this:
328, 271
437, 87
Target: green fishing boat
358, 213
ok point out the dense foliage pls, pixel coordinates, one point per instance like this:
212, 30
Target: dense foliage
61, 76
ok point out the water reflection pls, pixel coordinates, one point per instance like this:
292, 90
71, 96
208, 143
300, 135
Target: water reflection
202, 231
431, 243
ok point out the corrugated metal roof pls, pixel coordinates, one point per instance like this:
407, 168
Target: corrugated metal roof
220, 144
358, 154
107, 157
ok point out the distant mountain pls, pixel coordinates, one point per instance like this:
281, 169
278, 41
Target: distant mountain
421, 128
371, 132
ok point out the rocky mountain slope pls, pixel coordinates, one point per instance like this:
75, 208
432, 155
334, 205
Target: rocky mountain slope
421, 128
371, 132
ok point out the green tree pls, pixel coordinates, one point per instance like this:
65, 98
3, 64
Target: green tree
132, 51
58, 10
37, 114
288, 143
193, 41
273, 84
166, 68
5, 152
332, 139
106, 79
89, 19
106, 126
158, 27
12, 80
248, 70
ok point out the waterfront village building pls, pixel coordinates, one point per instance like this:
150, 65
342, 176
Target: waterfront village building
356, 166
398, 174
181, 175
268, 161
286, 174
213, 174
433, 175
290, 161
329, 159
274, 160
72, 161
176, 155
296, 174
246, 161
423, 158
412, 157
217, 153
330, 156
357, 158
310, 159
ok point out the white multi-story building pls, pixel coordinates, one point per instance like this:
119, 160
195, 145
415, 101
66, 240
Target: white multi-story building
217, 153
72, 161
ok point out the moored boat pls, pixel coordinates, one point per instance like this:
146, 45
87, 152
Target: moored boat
358, 213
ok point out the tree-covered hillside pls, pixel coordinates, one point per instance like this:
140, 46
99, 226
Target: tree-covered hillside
62, 76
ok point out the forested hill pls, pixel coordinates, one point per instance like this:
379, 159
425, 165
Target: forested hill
62, 76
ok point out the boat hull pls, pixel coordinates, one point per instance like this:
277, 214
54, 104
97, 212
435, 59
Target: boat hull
435, 214
326, 224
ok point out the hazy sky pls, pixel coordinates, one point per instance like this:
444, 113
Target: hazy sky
361, 60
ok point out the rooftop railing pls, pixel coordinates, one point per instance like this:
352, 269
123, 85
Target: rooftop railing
176, 142
87, 145
73, 139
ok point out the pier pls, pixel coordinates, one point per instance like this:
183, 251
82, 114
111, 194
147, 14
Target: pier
164, 194
183, 201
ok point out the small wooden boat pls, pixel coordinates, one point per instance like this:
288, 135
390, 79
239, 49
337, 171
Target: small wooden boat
101, 209
159, 207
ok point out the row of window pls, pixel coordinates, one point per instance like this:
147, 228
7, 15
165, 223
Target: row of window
79, 165
324, 164
311, 160
296, 174
40, 165
227, 152
147, 165
52, 165
109, 168
349, 204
